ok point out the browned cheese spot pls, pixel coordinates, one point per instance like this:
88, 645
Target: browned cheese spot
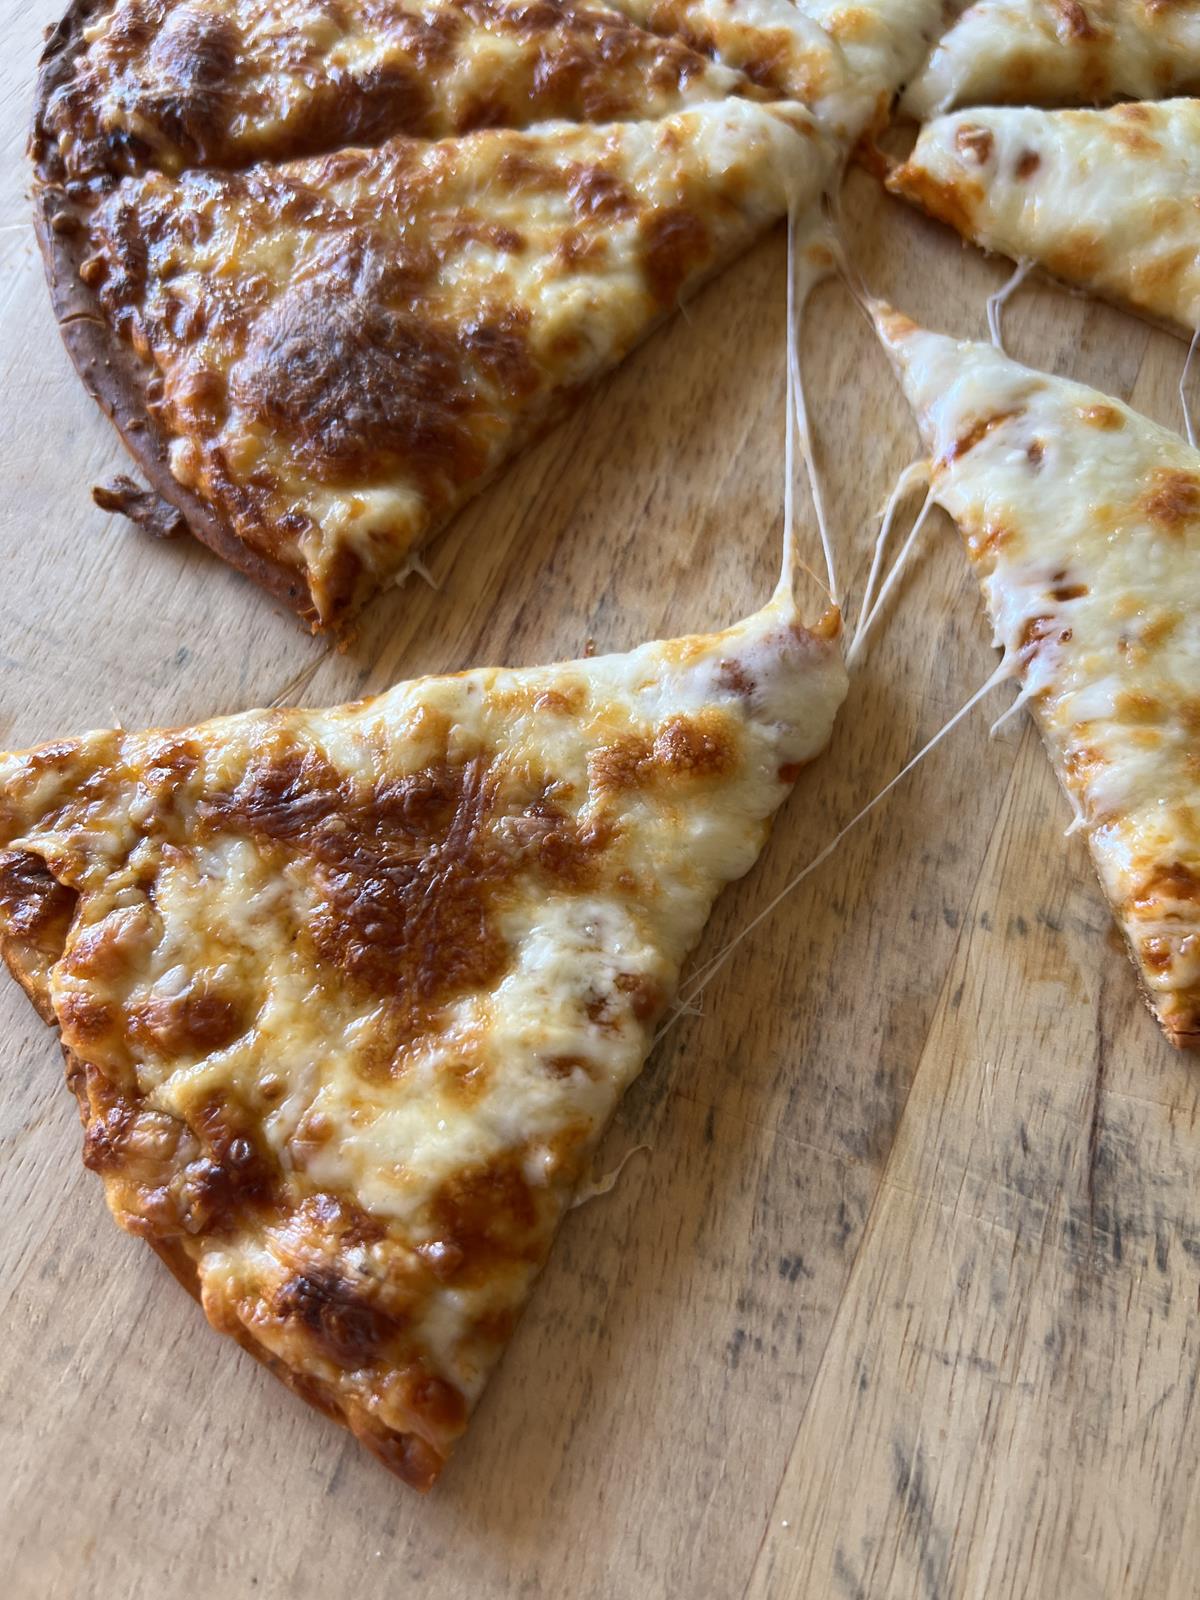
700, 746
576, 249
979, 431
339, 1317
734, 678
696, 747
488, 1215
359, 389
593, 192
1073, 20
1082, 763
974, 142
1106, 418
1027, 164
1173, 498
675, 243
193, 1023
644, 995
1173, 881
408, 876
34, 907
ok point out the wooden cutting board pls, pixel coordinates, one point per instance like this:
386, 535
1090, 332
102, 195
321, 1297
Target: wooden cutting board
902, 1301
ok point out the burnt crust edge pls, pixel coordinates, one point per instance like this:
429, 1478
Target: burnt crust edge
112, 373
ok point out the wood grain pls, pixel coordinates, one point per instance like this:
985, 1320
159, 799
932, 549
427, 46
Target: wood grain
902, 1301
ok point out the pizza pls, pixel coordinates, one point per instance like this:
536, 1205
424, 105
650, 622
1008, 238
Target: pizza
1082, 521
1107, 201
1061, 52
320, 361
347, 997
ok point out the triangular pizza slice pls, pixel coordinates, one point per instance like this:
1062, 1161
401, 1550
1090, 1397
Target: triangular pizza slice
236, 81
1061, 52
318, 363
347, 997
1105, 200
1082, 521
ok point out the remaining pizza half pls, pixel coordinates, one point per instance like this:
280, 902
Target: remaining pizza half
1082, 520
1061, 52
320, 362
347, 997
1107, 201
129, 86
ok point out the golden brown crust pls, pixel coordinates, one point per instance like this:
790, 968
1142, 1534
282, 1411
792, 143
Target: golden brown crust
112, 373
409, 1456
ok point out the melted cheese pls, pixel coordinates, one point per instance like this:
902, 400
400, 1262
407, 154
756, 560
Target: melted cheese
1082, 519
773, 43
1061, 52
351, 346
1106, 200
234, 81
884, 42
356, 991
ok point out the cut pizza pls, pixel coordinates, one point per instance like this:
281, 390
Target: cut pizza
1061, 52
347, 997
319, 362
1107, 201
1082, 521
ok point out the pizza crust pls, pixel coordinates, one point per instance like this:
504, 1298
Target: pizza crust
111, 372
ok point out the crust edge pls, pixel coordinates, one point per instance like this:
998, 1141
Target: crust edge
111, 373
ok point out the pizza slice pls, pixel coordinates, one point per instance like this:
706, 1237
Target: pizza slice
1061, 52
347, 997
1107, 201
318, 363
126, 87
1082, 521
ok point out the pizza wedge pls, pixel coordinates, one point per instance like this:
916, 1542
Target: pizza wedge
1082, 521
1107, 201
1061, 53
347, 997
319, 362
128, 87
